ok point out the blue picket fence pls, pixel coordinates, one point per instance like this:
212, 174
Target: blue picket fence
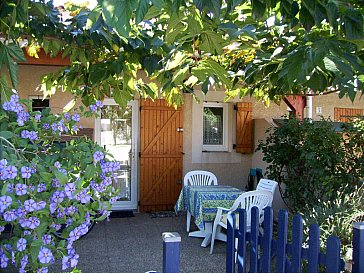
287, 256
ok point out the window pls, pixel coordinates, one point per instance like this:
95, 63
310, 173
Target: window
38, 103
215, 127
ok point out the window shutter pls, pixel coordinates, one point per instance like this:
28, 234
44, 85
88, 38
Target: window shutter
244, 128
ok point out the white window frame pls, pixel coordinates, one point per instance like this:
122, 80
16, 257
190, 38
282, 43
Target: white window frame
224, 147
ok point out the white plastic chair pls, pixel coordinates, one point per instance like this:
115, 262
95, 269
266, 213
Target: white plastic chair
198, 178
247, 200
267, 185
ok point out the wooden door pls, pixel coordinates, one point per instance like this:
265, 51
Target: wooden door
161, 143
345, 114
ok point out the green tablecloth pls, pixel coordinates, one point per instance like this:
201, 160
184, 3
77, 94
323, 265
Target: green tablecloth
202, 201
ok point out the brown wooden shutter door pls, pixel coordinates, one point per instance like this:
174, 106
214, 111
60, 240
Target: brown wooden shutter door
345, 114
161, 143
244, 128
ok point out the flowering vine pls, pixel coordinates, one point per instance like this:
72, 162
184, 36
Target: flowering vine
51, 190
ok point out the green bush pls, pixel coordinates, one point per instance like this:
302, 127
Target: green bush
313, 160
336, 218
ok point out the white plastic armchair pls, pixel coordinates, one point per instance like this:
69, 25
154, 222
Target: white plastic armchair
198, 178
267, 185
247, 200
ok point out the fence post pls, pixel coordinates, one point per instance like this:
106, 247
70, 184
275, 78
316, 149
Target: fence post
358, 247
171, 252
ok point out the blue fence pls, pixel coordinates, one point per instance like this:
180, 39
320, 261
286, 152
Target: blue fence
288, 256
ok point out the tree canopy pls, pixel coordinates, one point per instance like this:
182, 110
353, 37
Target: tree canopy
267, 49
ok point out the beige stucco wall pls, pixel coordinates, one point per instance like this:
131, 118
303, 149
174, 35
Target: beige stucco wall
329, 102
231, 168
29, 81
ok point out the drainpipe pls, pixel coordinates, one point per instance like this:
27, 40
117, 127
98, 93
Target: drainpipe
309, 106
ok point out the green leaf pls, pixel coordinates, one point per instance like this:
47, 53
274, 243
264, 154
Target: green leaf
142, 10
213, 6
175, 27
16, 52
117, 13
330, 65
93, 17
47, 177
61, 177
6, 134
212, 42
90, 171
258, 8
353, 24
177, 60
180, 75
4, 190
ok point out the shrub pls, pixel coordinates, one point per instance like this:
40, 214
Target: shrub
336, 217
48, 187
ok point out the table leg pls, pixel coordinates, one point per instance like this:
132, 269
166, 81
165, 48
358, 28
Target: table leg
205, 233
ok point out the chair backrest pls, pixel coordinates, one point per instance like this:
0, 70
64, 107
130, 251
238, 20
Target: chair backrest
267, 185
257, 198
200, 178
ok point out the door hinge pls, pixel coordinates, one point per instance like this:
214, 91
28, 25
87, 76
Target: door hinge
235, 107
140, 154
139, 203
234, 146
140, 108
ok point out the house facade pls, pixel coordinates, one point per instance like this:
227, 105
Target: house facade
157, 144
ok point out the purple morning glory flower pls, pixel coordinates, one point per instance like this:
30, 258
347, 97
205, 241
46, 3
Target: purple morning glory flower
58, 196
69, 222
26, 232
2, 228
9, 215
7, 106
67, 116
69, 189
20, 189
30, 205
3, 261
61, 170
11, 172
17, 108
14, 98
93, 108
99, 104
24, 134
5, 202
33, 222
74, 128
98, 155
46, 126
83, 197
70, 261
21, 244
37, 117
24, 224
3, 163
24, 261
33, 135
42, 270
26, 172
41, 205
70, 210
45, 256
52, 207
57, 164
41, 187
21, 212
47, 239
56, 183
76, 117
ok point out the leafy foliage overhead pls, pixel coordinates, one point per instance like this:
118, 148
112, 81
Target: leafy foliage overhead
262, 48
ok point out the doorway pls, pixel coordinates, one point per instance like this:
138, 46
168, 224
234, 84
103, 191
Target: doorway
116, 130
